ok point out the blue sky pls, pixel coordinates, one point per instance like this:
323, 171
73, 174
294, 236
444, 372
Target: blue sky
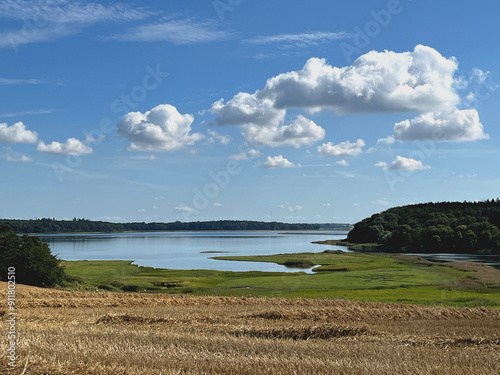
236, 109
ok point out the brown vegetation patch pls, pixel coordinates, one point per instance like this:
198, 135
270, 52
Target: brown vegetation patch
302, 333
414, 259
484, 274
469, 342
127, 318
367, 312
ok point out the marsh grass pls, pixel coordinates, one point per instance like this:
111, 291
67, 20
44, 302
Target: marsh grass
362, 277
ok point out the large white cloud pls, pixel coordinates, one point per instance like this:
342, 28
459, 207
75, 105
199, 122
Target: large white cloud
162, 128
421, 81
17, 133
263, 124
72, 146
301, 132
387, 81
346, 148
456, 125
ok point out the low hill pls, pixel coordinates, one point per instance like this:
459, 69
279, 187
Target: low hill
453, 227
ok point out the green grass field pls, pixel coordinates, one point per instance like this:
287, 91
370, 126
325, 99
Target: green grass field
355, 276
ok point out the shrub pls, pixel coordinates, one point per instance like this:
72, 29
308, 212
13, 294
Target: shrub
298, 263
32, 259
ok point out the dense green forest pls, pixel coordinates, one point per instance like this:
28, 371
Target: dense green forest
468, 227
84, 225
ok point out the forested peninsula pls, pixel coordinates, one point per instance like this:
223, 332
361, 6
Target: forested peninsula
84, 225
445, 227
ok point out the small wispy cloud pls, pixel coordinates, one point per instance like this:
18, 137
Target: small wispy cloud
342, 163
20, 159
61, 18
300, 40
183, 209
11, 81
381, 202
25, 113
186, 31
224, 139
291, 208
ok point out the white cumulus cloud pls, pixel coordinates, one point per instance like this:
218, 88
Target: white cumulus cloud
407, 164
346, 148
72, 146
381, 164
278, 162
17, 133
250, 154
421, 81
301, 132
342, 163
247, 110
456, 125
162, 128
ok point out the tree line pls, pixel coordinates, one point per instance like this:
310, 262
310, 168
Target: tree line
456, 227
47, 225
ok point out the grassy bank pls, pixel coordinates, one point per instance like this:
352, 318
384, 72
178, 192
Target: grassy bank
362, 277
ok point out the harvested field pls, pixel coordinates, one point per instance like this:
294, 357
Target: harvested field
117, 333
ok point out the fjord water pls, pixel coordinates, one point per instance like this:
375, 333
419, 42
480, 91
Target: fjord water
195, 250
189, 250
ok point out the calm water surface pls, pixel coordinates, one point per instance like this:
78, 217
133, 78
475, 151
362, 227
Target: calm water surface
187, 250
194, 250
